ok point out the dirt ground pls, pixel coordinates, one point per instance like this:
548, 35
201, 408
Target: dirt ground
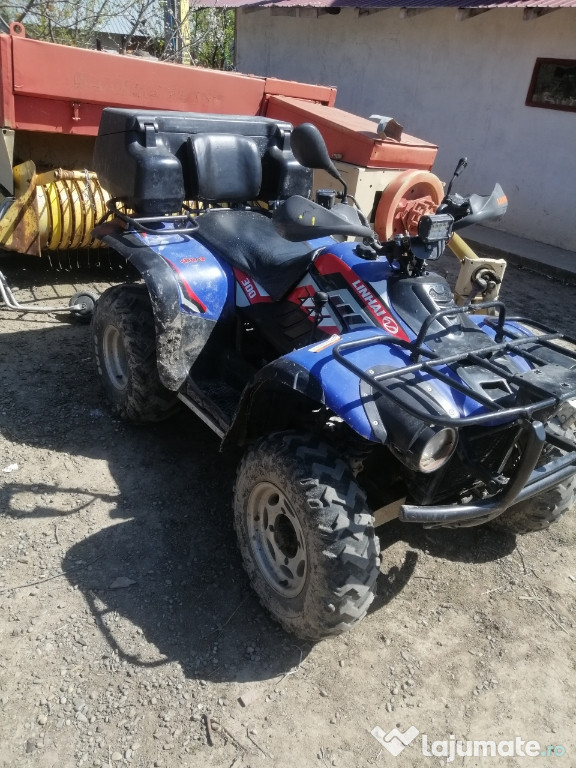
126, 617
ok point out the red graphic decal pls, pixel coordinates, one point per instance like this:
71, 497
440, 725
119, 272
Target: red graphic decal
301, 293
250, 288
302, 296
192, 261
190, 299
327, 264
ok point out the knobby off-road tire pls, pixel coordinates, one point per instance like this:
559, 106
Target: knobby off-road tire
124, 344
540, 512
306, 535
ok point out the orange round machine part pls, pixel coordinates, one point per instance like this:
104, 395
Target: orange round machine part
411, 195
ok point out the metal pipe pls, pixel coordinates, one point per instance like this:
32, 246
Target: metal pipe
461, 249
8, 299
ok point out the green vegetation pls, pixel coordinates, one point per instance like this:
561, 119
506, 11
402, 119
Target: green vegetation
166, 29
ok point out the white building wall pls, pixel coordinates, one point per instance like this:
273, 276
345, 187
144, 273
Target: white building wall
459, 84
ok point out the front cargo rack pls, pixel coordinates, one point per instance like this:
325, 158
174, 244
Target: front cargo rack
505, 341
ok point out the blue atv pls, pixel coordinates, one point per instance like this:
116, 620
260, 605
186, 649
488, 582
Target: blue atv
358, 389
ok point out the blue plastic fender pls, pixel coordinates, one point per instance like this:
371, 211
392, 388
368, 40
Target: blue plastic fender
315, 372
190, 292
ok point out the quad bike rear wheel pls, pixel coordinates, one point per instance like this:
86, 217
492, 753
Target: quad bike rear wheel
124, 343
306, 535
541, 511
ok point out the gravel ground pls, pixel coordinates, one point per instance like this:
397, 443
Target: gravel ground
127, 625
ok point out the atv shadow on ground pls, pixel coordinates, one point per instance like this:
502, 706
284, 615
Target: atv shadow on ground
163, 580
149, 506
478, 544
472, 545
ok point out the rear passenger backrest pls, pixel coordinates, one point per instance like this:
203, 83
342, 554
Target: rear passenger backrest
150, 161
224, 167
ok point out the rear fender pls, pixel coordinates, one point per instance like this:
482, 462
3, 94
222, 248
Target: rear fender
189, 289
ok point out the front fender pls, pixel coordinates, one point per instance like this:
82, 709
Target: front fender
319, 379
270, 399
188, 288
341, 388
314, 378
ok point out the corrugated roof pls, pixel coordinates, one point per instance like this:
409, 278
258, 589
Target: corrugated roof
118, 26
124, 25
386, 3
111, 25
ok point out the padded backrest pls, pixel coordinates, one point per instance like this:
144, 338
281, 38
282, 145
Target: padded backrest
224, 167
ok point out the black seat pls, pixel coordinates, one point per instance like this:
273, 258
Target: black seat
227, 168
224, 167
247, 240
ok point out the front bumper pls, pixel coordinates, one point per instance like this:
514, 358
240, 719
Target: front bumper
528, 481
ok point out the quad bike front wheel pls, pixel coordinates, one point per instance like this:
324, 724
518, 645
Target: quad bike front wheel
124, 344
541, 511
306, 535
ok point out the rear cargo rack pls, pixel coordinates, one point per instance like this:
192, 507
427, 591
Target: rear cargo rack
505, 341
183, 224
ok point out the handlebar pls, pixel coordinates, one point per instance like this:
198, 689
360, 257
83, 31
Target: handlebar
475, 208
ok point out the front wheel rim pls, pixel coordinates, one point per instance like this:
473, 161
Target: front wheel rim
115, 359
277, 540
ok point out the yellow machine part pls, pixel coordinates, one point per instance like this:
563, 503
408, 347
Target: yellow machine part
473, 266
19, 223
52, 211
70, 203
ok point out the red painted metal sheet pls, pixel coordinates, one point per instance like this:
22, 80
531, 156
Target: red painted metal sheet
7, 95
59, 73
56, 116
59, 89
320, 93
354, 139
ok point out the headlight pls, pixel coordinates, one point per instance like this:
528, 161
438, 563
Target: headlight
430, 452
426, 449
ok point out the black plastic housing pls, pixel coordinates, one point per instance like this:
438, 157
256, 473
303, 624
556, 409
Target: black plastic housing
142, 156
